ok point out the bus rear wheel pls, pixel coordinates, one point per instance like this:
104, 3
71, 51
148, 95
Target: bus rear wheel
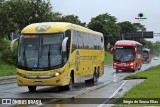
32, 88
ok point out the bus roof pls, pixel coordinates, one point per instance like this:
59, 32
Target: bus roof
127, 43
146, 49
55, 27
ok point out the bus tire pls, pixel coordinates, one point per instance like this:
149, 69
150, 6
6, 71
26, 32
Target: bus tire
98, 73
117, 70
133, 70
70, 85
94, 80
140, 66
32, 88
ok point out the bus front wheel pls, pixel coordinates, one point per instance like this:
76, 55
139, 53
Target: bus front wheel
117, 70
140, 67
70, 85
32, 88
133, 70
95, 76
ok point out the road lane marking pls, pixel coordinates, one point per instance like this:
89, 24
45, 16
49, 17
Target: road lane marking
103, 104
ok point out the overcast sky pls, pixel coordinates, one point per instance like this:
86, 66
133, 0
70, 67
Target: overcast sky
123, 10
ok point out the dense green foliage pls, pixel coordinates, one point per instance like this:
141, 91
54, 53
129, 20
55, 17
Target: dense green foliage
106, 24
7, 59
71, 18
20, 13
5, 53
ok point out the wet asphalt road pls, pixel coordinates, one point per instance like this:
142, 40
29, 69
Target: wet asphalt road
9, 88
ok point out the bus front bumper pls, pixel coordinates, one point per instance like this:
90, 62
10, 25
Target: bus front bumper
60, 80
124, 66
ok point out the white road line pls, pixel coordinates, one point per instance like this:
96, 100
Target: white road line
103, 104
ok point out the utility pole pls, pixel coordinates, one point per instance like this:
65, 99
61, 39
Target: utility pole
122, 36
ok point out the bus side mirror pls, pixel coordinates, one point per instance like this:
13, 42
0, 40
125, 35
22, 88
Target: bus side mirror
12, 44
111, 50
64, 44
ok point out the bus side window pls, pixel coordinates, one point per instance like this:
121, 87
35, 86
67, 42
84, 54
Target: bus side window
68, 34
86, 41
80, 40
95, 42
74, 40
90, 41
102, 39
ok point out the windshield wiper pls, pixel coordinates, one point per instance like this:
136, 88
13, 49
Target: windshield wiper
122, 56
131, 57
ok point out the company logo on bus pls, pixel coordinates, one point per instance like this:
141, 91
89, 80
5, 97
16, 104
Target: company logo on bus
77, 60
42, 28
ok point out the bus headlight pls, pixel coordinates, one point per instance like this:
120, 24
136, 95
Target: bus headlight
115, 63
131, 64
56, 74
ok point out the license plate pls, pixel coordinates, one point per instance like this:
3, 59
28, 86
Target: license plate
38, 82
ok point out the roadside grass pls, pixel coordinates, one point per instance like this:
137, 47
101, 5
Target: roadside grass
135, 76
108, 58
150, 88
7, 69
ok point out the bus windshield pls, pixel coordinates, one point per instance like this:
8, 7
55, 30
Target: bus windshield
145, 55
40, 51
124, 54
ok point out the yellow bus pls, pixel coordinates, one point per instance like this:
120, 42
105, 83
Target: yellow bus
58, 54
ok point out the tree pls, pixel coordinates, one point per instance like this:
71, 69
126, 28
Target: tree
56, 16
126, 27
106, 24
72, 19
16, 14
139, 27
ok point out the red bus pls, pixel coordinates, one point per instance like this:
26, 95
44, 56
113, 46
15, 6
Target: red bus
127, 55
147, 56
